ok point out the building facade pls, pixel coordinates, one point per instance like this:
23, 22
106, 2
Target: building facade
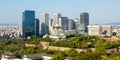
106, 30
50, 22
94, 30
37, 27
56, 17
100, 30
84, 19
44, 23
71, 24
64, 23
28, 23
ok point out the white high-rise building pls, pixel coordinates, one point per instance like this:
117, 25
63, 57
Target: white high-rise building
56, 17
44, 23
45, 18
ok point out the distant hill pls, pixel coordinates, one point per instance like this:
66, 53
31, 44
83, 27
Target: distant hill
8, 24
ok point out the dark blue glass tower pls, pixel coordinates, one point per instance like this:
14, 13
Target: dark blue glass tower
84, 19
64, 23
28, 23
36, 27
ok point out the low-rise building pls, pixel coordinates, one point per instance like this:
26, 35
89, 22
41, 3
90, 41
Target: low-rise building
10, 31
36, 56
100, 30
106, 30
94, 30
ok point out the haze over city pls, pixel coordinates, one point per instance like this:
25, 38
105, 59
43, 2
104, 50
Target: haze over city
59, 30
100, 11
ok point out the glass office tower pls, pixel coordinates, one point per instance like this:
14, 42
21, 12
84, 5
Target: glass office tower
37, 27
84, 19
28, 23
64, 23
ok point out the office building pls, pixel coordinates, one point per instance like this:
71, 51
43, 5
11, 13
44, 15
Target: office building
84, 19
56, 17
50, 22
71, 24
106, 30
45, 23
100, 30
94, 30
37, 27
28, 23
64, 23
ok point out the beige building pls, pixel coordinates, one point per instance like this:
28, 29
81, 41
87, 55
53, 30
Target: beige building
106, 30
94, 30
100, 30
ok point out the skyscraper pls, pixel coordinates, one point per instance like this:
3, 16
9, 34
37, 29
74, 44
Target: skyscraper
45, 23
84, 19
56, 17
51, 22
37, 27
71, 24
28, 23
64, 23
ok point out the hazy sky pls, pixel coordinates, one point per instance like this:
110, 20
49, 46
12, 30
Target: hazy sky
101, 11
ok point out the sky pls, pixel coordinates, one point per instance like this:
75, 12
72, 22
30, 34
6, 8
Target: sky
100, 11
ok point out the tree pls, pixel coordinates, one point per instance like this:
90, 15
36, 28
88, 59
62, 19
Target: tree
58, 56
71, 53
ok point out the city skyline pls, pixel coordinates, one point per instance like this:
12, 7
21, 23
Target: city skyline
99, 11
